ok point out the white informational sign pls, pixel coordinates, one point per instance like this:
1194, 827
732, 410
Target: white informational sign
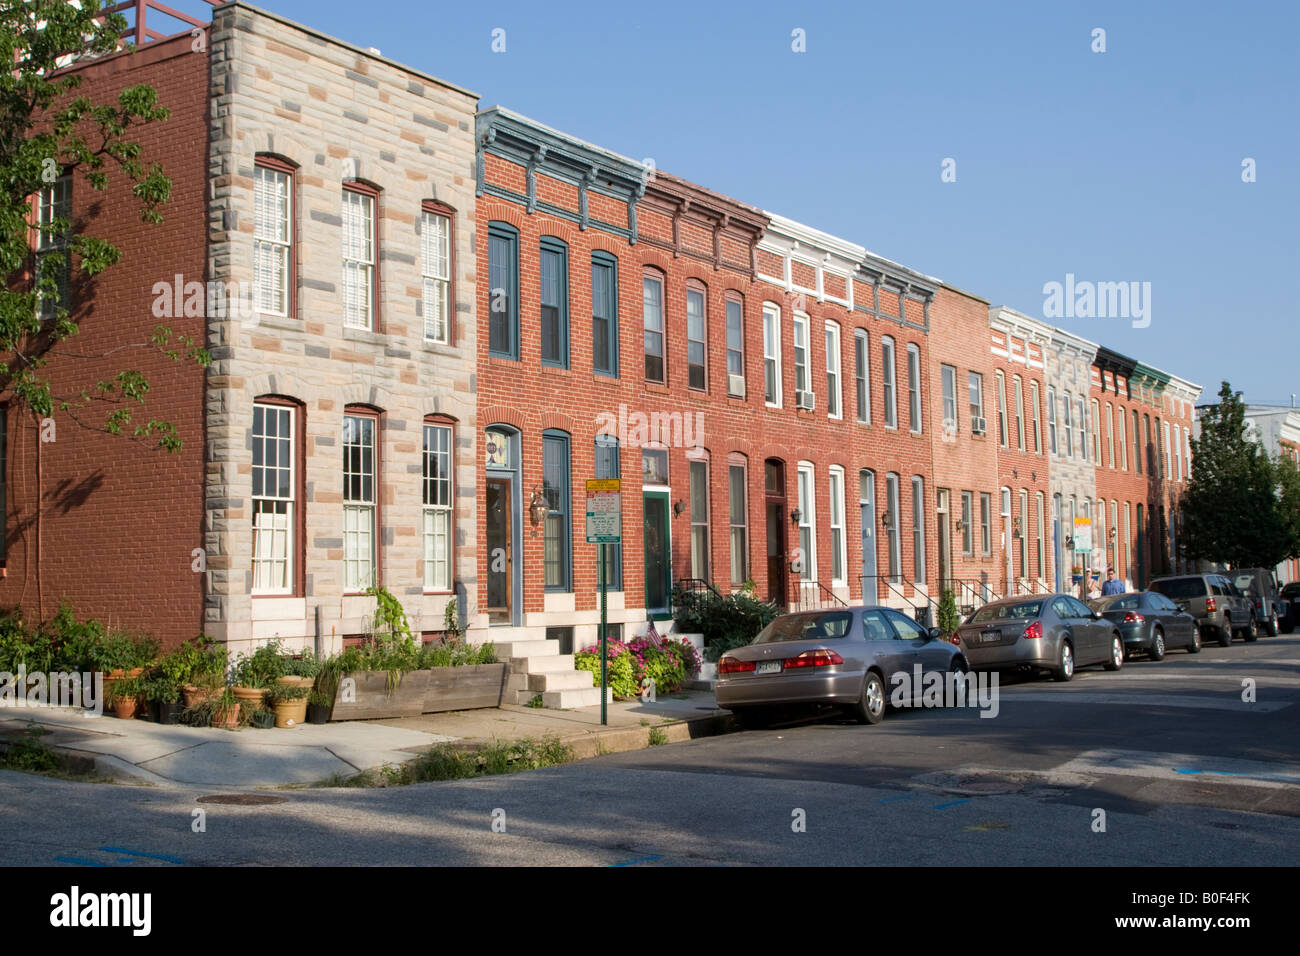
604, 511
1083, 535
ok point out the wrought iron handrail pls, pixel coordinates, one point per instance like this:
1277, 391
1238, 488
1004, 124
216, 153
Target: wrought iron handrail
822, 596
897, 587
968, 592
697, 585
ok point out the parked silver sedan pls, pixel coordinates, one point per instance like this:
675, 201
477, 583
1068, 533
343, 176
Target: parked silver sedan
839, 656
1150, 623
1052, 632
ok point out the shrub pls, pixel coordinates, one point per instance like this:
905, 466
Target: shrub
949, 618
261, 667
726, 621
623, 680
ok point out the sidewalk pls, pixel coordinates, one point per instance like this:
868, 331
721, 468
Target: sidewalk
141, 751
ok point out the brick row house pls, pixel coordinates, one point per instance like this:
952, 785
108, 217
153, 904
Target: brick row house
436, 322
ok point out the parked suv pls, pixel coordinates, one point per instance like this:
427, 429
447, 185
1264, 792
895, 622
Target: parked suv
1291, 594
1260, 586
1219, 608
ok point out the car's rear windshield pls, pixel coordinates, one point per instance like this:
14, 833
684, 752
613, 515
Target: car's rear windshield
822, 626
1180, 587
1119, 602
1004, 612
1244, 582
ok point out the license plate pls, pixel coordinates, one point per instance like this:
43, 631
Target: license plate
767, 667
990, 637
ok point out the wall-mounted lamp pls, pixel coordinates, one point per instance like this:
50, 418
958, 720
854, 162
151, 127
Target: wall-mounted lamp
1111, 534
1015, 527
679, 506
1015, 473
796, 516
1069, 543
537, 508
884, 520
961, 525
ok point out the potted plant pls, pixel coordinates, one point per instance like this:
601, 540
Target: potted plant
125, 696
257, 671
223, 705
289, 701
201, 666
300, 671
319, 705
122, 656
164, 693
262, 719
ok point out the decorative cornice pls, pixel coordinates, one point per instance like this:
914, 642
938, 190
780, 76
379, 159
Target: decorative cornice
684, 201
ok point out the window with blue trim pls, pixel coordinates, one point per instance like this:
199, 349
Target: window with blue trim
557, 564
555, 302
604, 314
503, 290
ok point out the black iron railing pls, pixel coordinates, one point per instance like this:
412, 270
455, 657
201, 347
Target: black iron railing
697, 586
895, 586
813, 595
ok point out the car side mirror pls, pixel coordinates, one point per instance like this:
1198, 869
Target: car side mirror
934, 633
1096, 615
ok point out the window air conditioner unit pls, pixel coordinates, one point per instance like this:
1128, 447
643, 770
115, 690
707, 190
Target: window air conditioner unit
736, 385
805, 400
978, 426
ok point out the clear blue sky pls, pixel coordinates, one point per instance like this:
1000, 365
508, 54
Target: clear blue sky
1115, 166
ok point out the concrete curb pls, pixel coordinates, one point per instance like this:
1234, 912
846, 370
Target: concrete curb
623, 739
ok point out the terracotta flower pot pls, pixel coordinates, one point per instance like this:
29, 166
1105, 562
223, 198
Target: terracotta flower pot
290, 713
112, 677
124, 707
226, 720
194, 696
293, 681
250, 697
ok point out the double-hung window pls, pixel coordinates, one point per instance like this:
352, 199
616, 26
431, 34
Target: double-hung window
890, 386
1067, 424
735, 348
976, 387
771, 354
359, 499
1081, 410
555, 302
1018, 394
697, 340
272, 236
986, 537
652, 304
1001, 382
604, 314
862, 378
802, 382
274, 483
839, 554
1036, 417
894, 518
435, 270
914, 388
557, 567
967, 524
359, 247
833, 393
807, 564
52, 260
1051, 421
437, 507
700, 549
503, 290
739, 521
948, 376
918, 529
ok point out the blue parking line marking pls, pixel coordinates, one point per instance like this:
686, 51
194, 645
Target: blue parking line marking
79, 861
944, 806
644, 859
151, 856
906, 796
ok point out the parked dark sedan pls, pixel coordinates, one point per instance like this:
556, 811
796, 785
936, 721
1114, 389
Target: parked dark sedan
840, 656
1052, 632
1150, 623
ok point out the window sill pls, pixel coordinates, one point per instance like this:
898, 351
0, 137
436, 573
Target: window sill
504, 361
657, 388
364, 335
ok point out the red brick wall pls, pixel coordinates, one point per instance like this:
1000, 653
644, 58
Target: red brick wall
1025, 470
118, 519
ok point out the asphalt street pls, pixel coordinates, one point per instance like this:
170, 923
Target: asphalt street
1159, 764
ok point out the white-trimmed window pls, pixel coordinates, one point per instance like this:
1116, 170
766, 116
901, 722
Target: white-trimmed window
772, 354
807, 522
1081, 410
802, 383
893, 516
1067, 424
435, 268
1051, 421
948, 378
1036, 418
437, 507
986, 534
1039, 560
1168, 450
833, 392
1024, 532
1110, 434
967, 523
915, 423
359, 473
358, 258
697, 339
738, 518
1187, 448
272, 236
918, 529
1123, 441
889, 379
1001, 383
1018, 393
839, 546
735, 347
274, 482
699, 469
976, 387
1094, 424
862, 375
652, 306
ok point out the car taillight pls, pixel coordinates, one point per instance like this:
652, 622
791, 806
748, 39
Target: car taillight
1034, 630
956, 638
734, 665
1211, 605
818, 658
1132, 618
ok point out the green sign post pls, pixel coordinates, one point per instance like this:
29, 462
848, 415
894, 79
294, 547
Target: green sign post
604, 527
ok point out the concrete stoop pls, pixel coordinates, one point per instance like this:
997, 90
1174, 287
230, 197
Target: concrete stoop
536, 667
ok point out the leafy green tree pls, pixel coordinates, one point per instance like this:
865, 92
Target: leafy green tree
949, 617
47, 131
1231, 508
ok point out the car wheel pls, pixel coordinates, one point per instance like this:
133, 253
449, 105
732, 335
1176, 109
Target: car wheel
1116, 654
1225, 633
1158, 645
1195, 646
1251, 633
1270, 626
1064, 663
753, 718
870, 708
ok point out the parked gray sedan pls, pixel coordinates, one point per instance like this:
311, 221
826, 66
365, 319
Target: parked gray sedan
1150, 623
840, 656
1052, 632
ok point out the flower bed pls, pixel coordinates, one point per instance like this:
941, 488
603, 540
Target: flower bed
669, 665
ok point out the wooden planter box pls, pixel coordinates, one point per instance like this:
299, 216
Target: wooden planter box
422, 692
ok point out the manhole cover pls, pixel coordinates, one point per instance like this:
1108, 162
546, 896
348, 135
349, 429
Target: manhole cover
242, 799
988, 786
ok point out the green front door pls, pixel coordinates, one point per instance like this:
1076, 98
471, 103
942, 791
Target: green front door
658, 553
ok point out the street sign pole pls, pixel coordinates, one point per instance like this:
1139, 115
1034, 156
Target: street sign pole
604, 637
